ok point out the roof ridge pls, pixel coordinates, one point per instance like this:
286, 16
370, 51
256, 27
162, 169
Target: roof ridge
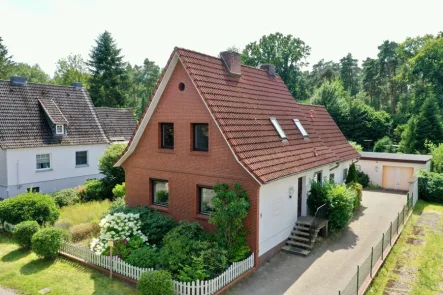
310, 104
43, 84
111, 108
218, 58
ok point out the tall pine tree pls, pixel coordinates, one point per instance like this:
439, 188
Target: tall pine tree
425, 126
109, 80
5, 61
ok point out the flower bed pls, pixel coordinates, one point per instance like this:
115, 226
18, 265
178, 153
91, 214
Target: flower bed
205, 287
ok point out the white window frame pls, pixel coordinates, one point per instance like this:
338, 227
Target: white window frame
43, 169
301, 128
87, 159
56, 130
278, 127
345, 173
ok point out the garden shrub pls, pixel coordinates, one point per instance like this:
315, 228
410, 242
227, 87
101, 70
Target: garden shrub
162, 196
24, 231
318, 195
153, 224
119, 190
94, 190
358, 189
117, 227
352, 174
230, 209
83, 231
340, 206
157, 282
29, 206
363, 179
113, 175
145, 257
66, 197
189, 255
430, 186
117, 206
81, 191
47, 242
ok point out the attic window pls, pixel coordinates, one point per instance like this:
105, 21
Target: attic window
59, 129
278, 128
181, 86
301, 128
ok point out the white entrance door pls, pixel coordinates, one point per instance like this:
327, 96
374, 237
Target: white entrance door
397, 177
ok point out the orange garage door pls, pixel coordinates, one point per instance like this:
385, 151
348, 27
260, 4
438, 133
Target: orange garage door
397, 177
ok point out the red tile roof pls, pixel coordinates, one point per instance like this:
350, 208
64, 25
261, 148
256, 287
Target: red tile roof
242, 107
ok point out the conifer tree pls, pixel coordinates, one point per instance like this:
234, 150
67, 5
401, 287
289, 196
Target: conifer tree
6, 62
352, 175
109, 81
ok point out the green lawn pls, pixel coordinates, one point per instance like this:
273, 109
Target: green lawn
415, 265
23, 271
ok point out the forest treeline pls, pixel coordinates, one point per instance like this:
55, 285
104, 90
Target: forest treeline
390, 102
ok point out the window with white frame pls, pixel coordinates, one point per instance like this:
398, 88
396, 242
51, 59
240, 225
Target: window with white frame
81, 158
278, 128
43, 161
301, 128
59, 129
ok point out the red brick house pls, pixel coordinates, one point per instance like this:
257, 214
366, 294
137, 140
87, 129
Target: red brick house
214, 120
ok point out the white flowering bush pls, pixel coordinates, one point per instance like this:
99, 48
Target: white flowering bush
118, 227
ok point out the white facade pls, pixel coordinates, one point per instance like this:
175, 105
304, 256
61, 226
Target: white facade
279, 202
374, 169
22, 173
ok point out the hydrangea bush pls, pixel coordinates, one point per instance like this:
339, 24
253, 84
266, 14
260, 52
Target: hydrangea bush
117, 227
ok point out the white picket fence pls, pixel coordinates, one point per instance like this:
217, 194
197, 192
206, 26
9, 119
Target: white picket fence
180, 288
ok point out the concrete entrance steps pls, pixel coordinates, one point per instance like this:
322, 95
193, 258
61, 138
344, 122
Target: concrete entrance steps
298, 242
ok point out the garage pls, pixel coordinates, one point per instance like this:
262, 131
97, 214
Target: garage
392, 171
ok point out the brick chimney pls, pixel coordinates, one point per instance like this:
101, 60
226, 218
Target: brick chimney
268, 68
232, 61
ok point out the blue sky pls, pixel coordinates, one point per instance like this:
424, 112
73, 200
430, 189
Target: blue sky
43, 31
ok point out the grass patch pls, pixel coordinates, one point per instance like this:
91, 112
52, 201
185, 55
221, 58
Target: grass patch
419, 251
23, 271
82, 213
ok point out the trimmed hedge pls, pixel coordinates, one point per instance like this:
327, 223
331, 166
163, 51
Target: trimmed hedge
157, 282
24, 231
145, 257
29, 206
430, 186
363, 179
47, 242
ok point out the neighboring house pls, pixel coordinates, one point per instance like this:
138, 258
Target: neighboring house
50, 137
118, 123
393, 171
212, 120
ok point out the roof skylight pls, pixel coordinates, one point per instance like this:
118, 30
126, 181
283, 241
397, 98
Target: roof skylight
278, 128
301, 128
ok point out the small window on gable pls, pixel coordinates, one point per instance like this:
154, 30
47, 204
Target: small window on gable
278, 128
301, 128
59, 130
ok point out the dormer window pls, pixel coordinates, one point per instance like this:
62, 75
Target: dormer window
59, 129
278, 128
301, 128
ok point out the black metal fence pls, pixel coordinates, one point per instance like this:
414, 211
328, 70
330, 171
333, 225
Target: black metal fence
378, 252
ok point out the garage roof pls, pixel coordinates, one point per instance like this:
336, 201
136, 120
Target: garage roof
411, 158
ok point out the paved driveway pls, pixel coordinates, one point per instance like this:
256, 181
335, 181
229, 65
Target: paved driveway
331, 266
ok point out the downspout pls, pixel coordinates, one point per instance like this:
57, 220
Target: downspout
18, 177
335, 167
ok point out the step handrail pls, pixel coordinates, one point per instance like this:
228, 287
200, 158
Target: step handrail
314, 223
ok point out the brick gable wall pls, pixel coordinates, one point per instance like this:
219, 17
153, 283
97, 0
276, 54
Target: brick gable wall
185, 169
